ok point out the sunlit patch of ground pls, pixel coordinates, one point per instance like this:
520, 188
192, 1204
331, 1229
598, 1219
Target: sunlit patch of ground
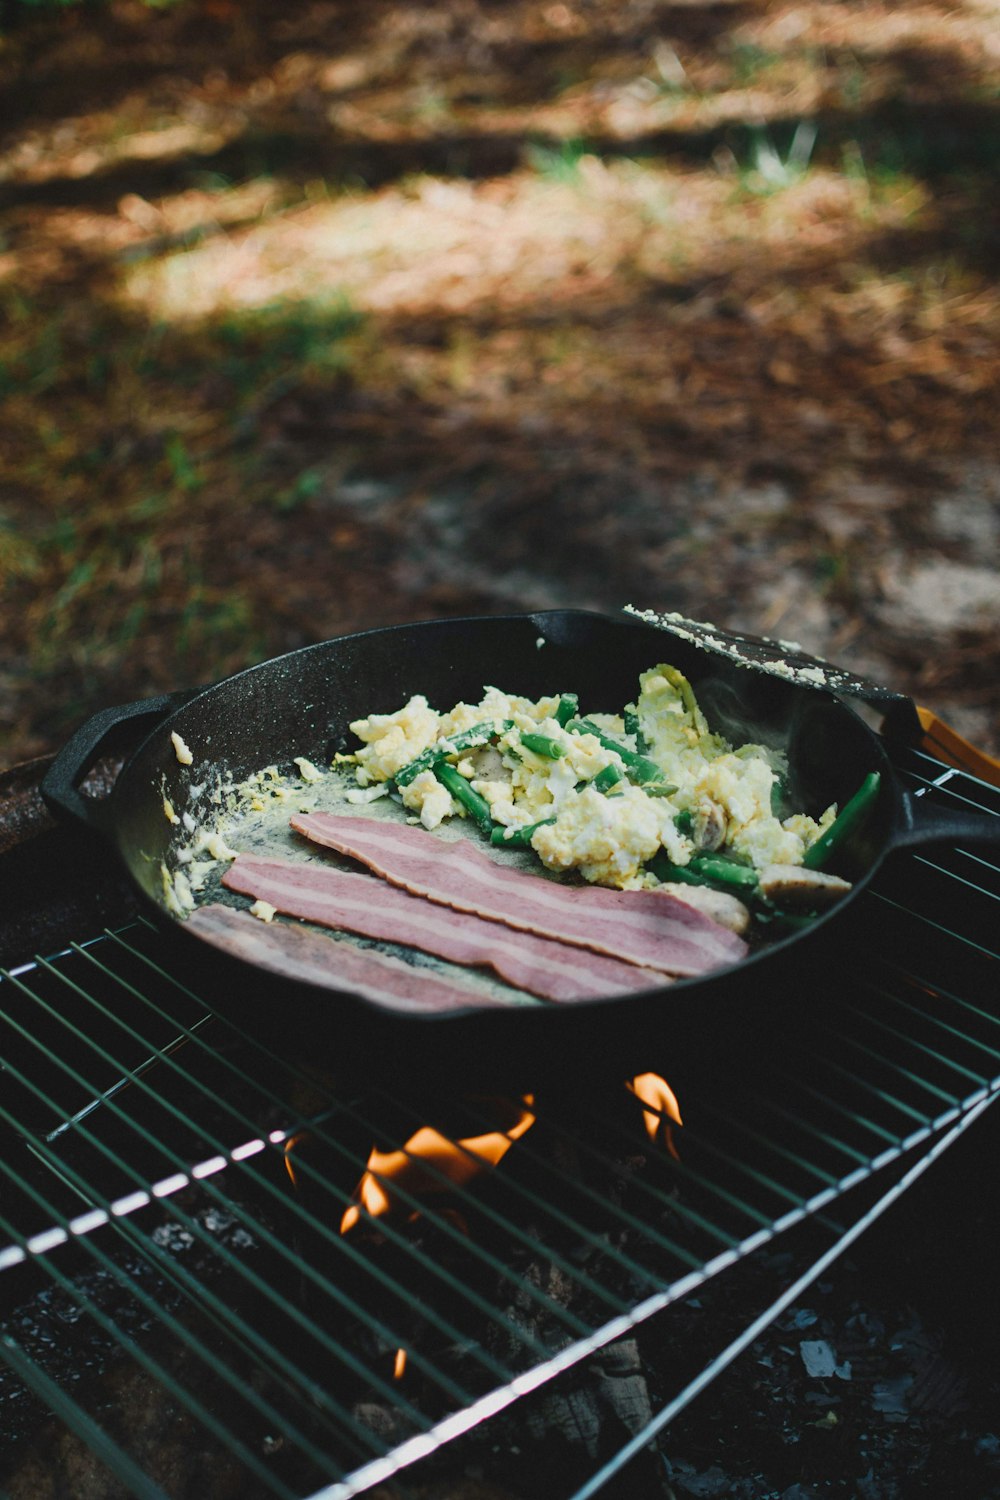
454, 247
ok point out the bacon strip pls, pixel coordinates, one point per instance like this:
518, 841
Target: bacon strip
297, 953
357, 903
649, 928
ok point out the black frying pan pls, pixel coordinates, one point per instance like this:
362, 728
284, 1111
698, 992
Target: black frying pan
301, 705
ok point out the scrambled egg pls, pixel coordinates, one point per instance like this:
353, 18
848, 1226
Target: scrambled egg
429, 799
609, 838
699, 793
393, 740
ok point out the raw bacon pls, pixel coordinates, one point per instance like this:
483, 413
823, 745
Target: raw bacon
297, 953
359, 903
648, 928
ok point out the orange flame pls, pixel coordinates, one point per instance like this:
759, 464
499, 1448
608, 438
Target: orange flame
457, 1162
653, 1090
430, 1163
400, 1365
290, 1145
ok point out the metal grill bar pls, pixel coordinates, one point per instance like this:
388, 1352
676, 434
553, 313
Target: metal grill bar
124, 1093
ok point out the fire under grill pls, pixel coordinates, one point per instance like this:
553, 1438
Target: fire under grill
230, 1269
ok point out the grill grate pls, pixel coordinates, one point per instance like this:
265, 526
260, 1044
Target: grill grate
172, 1194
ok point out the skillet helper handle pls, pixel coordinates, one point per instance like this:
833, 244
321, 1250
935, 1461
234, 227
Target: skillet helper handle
948, 745
110, 727
907, 723
927, 822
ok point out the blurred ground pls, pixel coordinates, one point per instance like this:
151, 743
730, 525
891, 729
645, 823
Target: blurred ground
322, 316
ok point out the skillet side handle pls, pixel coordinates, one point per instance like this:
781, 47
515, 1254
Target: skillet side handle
925, 822
110, 727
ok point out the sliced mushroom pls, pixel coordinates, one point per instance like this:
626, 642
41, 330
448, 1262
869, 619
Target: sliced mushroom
709, 827
723, 908
487, 763
794, 887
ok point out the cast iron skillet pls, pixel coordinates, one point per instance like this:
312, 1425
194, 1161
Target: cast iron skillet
301, 705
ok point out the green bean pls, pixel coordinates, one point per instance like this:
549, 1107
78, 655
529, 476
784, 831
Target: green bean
788, 921
517, 838
638, 768
706, 869
606, 779
847, 821
544, 745
477, 806
452, 744
569, 707
634, 727
680, 683
664, 869
719, 870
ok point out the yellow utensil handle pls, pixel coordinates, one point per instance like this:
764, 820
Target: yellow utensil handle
944, 742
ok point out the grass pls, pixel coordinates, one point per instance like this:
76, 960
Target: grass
126, 473
559, 163
769, 171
